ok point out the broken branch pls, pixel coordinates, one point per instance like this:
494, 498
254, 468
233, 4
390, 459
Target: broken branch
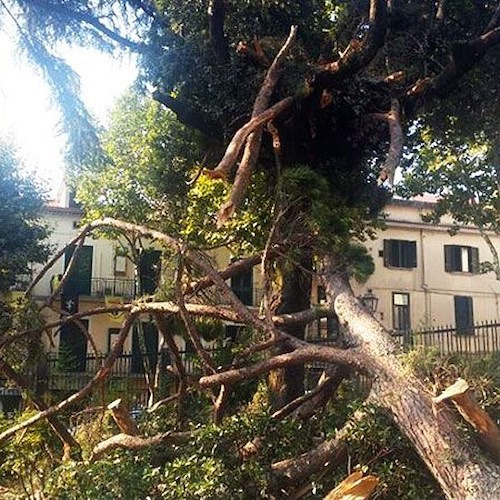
359, 52
252, 147
233, 150
129, 442
462, 396
122, 418
299, 356
396, 144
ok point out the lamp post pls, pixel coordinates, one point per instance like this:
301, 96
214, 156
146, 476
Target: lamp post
370, 301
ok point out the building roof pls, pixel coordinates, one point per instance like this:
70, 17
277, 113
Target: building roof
63, 210
421, 201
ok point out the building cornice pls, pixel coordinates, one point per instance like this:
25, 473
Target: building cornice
52, 209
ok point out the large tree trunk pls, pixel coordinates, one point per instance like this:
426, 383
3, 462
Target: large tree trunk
294, 295
459, 467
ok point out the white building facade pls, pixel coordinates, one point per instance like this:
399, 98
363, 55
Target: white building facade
425, 277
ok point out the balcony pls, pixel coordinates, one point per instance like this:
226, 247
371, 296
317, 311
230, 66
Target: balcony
99, 287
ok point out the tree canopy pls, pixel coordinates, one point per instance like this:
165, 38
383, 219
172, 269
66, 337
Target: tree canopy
22, 232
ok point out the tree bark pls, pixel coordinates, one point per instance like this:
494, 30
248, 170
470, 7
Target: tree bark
125, 441
459, 467
287, 384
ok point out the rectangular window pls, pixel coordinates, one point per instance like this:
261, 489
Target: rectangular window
464, 315
321, 295
79, 282
242, 286
401, 312
149, 271
113, 334
461, 259
73, 346
400, 253
150, 343
120, 264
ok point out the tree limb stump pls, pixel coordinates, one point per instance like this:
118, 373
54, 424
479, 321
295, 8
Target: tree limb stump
488, 432
122, 418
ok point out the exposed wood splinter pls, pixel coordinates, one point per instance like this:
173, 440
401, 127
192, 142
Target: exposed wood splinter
462, 396
354, 487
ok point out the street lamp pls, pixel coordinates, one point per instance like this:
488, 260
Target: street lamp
370, 301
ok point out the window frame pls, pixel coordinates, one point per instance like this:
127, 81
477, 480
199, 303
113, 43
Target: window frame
120, 264
453, 259
407, 313
113, 334
400, 254
242, 284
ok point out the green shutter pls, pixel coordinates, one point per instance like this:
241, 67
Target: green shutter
387, 253
448, 258
412, 253
79, 282
242, 286
149, 270
474, 260
464, 315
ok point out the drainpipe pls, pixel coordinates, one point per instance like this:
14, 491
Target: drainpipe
423, 283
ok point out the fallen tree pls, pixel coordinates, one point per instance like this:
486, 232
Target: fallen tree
460, 468
324, 124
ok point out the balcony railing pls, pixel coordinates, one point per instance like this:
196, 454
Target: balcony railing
99, 287
113, 286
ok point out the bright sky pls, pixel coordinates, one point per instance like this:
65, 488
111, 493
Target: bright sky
26, 111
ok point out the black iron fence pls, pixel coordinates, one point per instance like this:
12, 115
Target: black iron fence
126, 379
476, 340
480, 339
99, 287
127, 364
127, 374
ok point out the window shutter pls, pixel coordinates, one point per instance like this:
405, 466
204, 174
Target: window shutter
464, 317
448, 258
387, 253
474, 260
470, 312
242, 286
412, 253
